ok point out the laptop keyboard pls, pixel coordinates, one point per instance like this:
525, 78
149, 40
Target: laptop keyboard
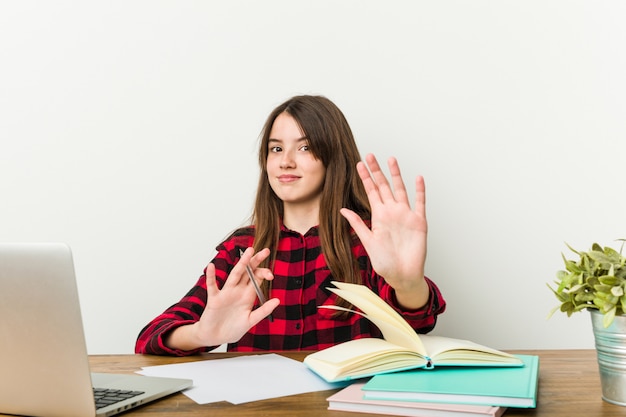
106, 396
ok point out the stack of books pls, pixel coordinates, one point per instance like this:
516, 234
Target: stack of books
412, 375
451, 392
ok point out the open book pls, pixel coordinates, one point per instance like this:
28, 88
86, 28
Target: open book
401, 349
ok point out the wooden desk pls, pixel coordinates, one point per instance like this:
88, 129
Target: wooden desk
569, 385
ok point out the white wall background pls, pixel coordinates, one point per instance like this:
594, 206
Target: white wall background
129, 130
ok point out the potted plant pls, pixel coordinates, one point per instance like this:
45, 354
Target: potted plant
596, 282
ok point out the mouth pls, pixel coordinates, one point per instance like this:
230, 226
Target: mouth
288, 178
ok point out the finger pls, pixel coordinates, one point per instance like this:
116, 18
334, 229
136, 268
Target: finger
263, 274
420, 196
399, 190
368, 183
211, 283
263, 311
259, 257
251, 260
239, 274
383, 187
359, 226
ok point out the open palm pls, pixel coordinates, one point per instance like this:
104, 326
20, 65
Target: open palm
396, 241
228, 314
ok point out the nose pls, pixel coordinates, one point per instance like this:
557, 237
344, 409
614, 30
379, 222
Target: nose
287, 160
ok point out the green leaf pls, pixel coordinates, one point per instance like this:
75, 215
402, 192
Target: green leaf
572, 267
574, 289
607, 307
584, 297
568, 307
608, 317
609, 280
601, 288
581, 307
551, 313
572, 249
612, 253
603, 259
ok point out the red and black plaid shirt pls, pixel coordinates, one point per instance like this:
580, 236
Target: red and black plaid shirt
301, 277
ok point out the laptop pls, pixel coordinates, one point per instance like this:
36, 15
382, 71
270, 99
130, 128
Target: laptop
44, 366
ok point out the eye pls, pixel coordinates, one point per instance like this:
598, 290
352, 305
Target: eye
275, 149
304, 148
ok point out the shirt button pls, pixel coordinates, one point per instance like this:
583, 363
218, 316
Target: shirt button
298, 281
298, 326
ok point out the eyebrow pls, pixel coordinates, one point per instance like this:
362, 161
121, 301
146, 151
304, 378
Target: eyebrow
302, 139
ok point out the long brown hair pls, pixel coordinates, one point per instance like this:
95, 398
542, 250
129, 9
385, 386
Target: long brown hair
330, 140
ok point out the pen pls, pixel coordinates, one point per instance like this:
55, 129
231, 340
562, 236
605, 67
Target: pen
259, 294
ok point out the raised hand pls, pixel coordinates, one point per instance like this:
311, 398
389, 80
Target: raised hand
229, 313
396, 242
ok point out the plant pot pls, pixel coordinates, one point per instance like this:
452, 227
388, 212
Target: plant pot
611, 352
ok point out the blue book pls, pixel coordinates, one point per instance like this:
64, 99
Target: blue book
505, 387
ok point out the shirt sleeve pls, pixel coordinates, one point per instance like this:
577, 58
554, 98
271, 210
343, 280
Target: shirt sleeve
424, 319
188, 310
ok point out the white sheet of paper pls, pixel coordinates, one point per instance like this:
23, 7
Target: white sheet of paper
243, 378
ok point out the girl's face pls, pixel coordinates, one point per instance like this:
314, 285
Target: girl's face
294, 174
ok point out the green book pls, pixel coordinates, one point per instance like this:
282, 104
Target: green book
505, 387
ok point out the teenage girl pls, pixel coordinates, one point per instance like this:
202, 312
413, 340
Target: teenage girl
321, 215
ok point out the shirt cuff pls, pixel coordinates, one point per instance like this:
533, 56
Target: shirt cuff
389, 295
158, 342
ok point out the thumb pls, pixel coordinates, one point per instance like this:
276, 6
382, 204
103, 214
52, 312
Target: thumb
359, 226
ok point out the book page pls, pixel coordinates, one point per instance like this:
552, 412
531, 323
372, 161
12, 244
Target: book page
361, 356
394, 327
444, 350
